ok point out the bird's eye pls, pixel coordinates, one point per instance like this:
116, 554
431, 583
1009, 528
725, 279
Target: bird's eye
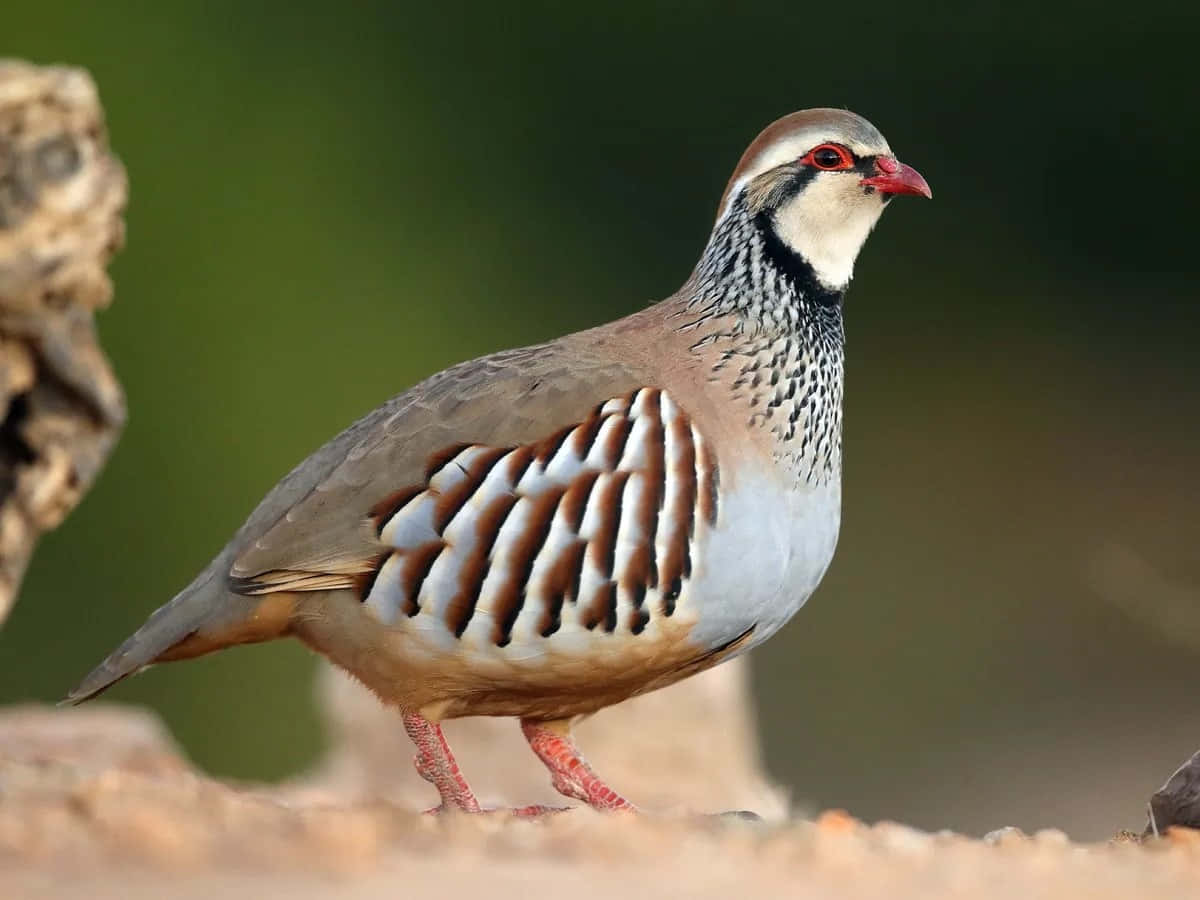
830, 156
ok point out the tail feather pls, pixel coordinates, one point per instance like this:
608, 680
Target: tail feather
203, 617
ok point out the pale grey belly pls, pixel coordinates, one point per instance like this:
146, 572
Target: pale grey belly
764, 559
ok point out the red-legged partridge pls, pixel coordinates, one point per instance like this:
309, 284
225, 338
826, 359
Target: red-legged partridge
544, 532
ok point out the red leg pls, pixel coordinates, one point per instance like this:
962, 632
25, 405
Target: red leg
569, 773
435, 763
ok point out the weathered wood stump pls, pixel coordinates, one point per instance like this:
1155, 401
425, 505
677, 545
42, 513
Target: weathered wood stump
61, 198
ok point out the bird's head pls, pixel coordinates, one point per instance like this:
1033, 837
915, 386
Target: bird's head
818, 180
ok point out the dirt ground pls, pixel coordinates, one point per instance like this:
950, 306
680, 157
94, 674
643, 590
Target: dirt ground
98, 802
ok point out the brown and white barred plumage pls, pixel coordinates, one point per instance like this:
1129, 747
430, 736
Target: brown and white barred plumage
591, 529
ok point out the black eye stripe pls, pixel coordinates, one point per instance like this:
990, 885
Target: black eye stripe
865, 166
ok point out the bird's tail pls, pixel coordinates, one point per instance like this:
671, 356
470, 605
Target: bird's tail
203, 617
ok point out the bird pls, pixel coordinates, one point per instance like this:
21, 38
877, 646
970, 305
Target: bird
546, 531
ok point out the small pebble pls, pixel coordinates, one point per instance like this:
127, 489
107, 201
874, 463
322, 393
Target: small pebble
1006, 835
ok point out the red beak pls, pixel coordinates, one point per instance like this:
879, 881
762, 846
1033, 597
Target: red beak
896, 178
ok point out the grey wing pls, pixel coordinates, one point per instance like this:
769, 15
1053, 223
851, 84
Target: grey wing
318, 521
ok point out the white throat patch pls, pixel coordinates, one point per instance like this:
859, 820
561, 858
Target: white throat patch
827, 224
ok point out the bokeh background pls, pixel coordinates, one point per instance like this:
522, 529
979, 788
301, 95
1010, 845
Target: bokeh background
331, 201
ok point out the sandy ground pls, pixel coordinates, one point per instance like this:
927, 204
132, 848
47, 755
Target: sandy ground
98, 802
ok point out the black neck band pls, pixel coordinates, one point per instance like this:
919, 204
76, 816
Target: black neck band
792, 265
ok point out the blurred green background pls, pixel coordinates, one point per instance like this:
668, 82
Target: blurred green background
330, 201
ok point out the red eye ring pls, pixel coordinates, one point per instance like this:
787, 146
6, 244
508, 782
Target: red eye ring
829, 157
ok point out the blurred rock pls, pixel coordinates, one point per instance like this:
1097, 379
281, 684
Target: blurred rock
95, 738
1178, 801
61, 198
